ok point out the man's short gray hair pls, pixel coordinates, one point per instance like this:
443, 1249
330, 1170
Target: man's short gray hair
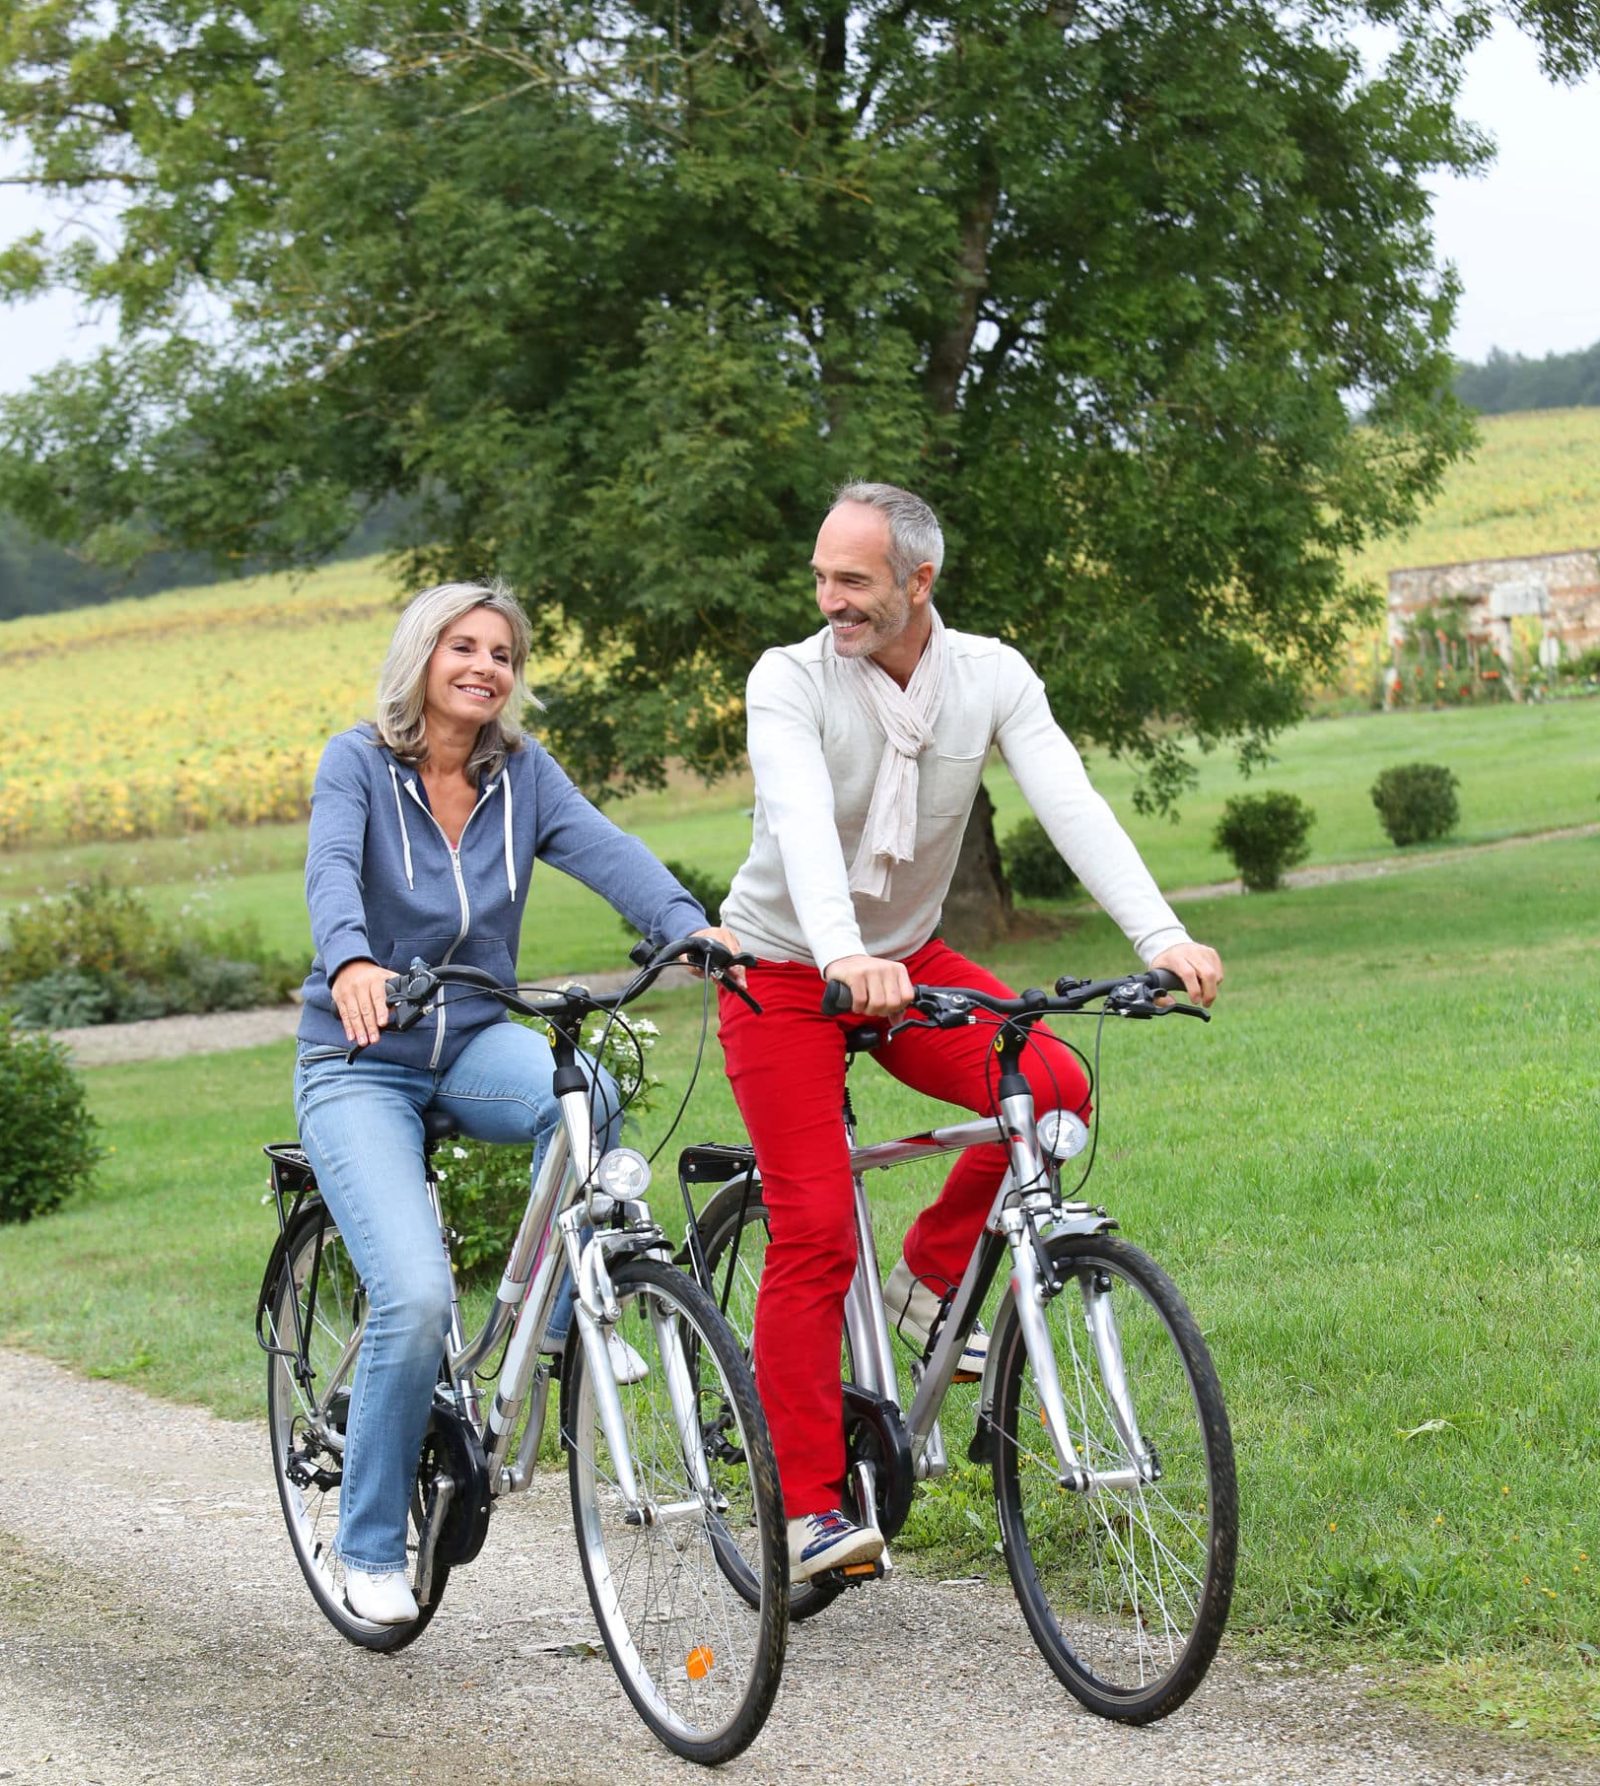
915, 536
403, 680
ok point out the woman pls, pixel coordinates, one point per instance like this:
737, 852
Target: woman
424, 831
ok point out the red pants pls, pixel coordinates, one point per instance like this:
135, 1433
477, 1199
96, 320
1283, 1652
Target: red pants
787, 1072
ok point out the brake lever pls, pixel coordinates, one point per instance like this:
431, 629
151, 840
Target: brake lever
409, 994
720, 976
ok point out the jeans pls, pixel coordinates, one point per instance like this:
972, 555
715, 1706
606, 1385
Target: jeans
361, 1127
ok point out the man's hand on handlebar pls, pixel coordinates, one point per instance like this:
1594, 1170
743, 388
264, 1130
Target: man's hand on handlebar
878, 988
1198, 967
358, 997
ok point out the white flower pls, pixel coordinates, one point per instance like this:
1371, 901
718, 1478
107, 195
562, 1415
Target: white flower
460, 1153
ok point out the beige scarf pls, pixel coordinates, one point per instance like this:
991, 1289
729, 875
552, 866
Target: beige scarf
906, 717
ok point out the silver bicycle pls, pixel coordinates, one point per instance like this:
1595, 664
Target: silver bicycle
673, 1485
1099, 1411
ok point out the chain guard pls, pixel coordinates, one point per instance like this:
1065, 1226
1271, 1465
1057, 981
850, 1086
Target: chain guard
450, 1447
874, 1433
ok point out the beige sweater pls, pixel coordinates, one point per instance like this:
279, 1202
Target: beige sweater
815, 754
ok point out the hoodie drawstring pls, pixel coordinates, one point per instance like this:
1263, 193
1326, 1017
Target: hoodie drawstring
400, 813
511, 861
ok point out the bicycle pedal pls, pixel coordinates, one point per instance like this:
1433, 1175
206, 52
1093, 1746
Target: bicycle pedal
853, 1575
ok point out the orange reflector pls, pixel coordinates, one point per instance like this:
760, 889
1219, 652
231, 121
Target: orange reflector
859, 1569
700, 1662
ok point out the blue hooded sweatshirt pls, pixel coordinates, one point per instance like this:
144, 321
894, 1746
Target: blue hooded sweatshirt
384, 885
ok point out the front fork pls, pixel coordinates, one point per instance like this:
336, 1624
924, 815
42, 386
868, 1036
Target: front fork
1033, 1288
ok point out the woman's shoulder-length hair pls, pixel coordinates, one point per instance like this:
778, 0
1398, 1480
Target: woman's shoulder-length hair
402, 682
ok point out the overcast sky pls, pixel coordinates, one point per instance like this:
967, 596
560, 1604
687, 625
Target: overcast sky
1525, 237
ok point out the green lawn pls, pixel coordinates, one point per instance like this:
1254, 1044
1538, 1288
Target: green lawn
1522, 769
1374, 1176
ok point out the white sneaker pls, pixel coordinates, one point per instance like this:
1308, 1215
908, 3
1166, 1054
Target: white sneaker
626, 1364
379, 1599
822, 1541
913, 1309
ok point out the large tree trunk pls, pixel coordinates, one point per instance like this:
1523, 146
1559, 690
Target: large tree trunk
978, 909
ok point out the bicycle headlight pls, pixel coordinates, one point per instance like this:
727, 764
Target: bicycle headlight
624, 1173
1062, 1135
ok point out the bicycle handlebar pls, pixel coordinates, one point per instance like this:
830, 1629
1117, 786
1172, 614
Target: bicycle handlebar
1129, 995
410, 993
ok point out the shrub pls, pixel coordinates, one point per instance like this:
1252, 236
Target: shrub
1264, 834
97, 954
47, 1145
1416, 802
1033, 864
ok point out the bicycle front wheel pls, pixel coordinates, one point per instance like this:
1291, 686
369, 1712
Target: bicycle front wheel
688, 1577
318, 1298
1126, 1584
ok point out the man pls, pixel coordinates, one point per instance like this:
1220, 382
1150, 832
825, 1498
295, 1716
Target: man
867, 741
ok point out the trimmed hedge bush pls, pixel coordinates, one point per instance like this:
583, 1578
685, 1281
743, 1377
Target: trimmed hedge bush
1416, 802
47, 1144
1263, 835
1033, 864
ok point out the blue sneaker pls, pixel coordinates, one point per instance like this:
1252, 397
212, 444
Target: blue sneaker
819, 1542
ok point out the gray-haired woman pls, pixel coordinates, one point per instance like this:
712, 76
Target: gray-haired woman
424, 831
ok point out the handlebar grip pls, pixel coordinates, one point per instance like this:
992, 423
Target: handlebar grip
1163, 979
837, 999
641, 954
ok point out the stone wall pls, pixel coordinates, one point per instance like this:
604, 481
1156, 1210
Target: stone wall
1562, 589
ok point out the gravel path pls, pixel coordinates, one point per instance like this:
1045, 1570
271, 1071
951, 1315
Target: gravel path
154, 1629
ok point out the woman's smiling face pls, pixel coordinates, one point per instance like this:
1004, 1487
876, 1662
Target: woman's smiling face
469, 673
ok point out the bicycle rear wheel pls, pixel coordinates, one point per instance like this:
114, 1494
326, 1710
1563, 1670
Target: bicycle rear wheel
306, 1420
1125, 1586
689, 1584
733, 1240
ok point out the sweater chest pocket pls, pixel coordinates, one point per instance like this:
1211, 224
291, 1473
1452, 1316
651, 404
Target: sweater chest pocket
947, 783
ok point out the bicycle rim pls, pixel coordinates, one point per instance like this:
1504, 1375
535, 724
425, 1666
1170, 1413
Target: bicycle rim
735, 1274
698, 1650
307, 1422
1125, 1588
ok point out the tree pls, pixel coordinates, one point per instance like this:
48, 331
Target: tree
614, 294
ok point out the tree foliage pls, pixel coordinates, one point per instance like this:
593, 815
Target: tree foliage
612, 295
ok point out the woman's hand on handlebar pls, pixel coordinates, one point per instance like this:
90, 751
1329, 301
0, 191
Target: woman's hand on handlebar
358, 996
878, 988
1198, 967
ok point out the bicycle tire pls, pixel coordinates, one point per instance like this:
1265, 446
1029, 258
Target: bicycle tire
311, 1507
699, 1653
1125, 1589
734, 1277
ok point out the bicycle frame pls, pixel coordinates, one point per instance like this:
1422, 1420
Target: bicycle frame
1026, 1208
1017, 1221
548, 1238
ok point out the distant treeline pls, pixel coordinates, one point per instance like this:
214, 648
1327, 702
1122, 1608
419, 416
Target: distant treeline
39, 578
1507, 381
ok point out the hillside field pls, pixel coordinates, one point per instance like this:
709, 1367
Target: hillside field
207, 707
